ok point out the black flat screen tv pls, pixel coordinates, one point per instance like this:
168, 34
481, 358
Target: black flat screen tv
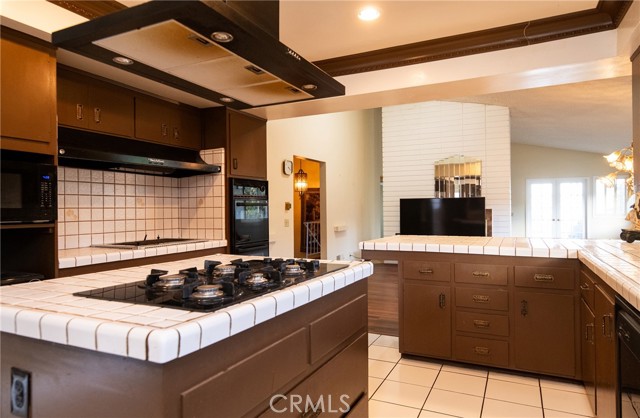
458, 216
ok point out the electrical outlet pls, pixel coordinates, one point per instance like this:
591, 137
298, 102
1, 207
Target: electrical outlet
20, 391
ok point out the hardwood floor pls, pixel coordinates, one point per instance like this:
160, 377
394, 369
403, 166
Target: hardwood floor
383, 299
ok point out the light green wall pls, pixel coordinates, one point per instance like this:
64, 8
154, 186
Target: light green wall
533, 162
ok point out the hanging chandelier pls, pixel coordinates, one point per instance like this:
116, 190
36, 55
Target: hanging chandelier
622, 162
300, 183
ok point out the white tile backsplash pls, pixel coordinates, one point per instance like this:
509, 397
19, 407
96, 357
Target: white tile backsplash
102, 207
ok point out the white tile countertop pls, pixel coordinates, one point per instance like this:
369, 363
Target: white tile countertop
95, 255
48, 310
614, 261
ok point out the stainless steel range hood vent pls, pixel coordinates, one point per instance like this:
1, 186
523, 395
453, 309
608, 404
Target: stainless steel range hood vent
173, 42
96, 151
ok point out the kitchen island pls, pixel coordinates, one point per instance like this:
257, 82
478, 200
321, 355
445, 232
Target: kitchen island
542, 306
89, 357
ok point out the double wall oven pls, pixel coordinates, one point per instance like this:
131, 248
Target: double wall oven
249, 218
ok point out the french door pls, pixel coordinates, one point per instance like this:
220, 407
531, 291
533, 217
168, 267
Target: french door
556, 208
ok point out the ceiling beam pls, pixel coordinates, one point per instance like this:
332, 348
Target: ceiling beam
606, 15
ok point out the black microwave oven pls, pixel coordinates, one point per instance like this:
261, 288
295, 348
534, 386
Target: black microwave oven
28, 193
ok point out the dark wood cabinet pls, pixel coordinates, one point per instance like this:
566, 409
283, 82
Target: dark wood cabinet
520, 313
167, 123
599, 344
588, 351
425, 327
87, 103
244, 138
28, 99
544, 337
606, 350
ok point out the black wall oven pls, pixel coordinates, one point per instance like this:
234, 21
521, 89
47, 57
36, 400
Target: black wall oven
249, 217
628, 326
28, 191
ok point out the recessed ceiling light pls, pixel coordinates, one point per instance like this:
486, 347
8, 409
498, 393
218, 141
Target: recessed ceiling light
368, 13
226, 99
122, 60
222, 37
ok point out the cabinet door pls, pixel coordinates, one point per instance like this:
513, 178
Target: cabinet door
110, 109
606, 372
545, 333
28, 98
188, 132
73, 108
588, 349
426, 320
154, 119
247, 146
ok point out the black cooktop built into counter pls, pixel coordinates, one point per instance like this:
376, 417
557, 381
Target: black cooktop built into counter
215, 286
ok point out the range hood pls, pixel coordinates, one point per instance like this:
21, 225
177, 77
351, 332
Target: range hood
118, 154
206, 48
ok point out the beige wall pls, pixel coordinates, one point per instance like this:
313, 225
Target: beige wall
348, 146
532, 162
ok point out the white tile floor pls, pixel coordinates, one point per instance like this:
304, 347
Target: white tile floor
401, 388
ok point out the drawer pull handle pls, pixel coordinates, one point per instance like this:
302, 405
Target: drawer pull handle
607, 319
483, 351
96, 115
584, 286
79, 112
425, 271
478, 323
481, 274
543, 277
480, 299
163, 129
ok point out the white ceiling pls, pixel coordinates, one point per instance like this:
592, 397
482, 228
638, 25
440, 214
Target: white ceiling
591, 116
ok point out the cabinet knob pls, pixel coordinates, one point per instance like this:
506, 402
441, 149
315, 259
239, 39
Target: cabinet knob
524, 308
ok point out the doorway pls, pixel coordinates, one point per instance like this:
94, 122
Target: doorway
308, 231
557, 208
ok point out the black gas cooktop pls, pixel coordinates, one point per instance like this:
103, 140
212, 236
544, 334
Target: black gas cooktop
215, 286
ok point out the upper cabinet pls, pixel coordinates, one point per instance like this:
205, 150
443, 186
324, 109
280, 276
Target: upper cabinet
28, 68
244, 138
171, 124
87, 103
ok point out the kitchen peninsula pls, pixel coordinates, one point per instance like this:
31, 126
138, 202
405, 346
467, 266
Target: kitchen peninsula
91, 357
532, 305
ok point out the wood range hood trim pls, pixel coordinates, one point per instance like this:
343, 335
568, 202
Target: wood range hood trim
251, 44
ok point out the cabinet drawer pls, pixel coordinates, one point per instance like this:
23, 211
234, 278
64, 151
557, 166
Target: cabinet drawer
587, 290
545, 277
471, 297
483, 351
482, 323
481, 274
426, 270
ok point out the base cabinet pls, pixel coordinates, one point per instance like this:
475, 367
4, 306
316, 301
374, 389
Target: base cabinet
544, 339
426, 320
599, 344
511, 312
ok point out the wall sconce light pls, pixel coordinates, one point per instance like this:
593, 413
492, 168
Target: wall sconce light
300, 181
622, 162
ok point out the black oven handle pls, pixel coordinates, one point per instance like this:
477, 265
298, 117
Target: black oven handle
250, 204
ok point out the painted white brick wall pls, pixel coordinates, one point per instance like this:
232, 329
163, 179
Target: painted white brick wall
416, 135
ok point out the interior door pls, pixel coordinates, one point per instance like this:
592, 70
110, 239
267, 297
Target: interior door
556, 208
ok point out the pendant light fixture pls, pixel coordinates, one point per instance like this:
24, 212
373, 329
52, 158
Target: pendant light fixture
300, 181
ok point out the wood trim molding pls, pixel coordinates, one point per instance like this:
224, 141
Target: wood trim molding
90, 9
606, 16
